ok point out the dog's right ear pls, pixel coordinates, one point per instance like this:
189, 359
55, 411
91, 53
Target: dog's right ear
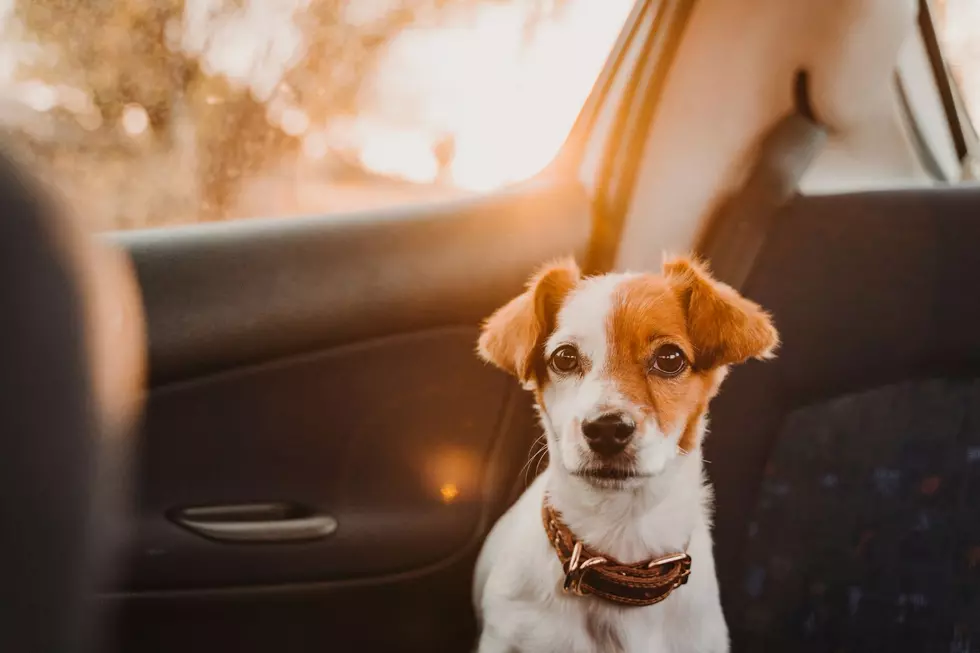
725, 328
513, 337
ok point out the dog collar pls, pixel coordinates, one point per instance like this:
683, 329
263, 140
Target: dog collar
587, 572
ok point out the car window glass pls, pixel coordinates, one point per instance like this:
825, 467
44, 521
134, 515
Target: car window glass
958, 28
148, 113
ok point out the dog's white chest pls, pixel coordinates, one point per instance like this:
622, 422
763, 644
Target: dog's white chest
523, 607
627, 631
583, 625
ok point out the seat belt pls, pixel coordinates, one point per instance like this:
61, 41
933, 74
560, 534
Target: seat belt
738, 228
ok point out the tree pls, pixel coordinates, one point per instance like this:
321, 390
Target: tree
158, 56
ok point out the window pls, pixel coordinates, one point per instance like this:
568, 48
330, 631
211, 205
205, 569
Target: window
160, 112
958, 28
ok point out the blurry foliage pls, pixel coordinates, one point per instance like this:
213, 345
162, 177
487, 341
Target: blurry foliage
206, 133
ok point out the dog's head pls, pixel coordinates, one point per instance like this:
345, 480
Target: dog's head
622, 366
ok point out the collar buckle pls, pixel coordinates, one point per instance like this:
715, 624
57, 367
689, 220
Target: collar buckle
575, 569
685, 566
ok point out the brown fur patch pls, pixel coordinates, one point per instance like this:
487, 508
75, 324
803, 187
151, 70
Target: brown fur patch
646, 315
513, 337
712, 324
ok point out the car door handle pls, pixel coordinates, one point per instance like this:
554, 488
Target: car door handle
255, 522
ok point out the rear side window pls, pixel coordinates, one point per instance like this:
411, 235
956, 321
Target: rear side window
958, 29
148, 113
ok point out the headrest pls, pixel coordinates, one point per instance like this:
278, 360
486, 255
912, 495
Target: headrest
71, 369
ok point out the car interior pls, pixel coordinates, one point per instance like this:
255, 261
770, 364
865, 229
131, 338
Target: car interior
275, 435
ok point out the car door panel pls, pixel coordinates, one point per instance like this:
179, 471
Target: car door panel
328, 364
227, 294
389, 438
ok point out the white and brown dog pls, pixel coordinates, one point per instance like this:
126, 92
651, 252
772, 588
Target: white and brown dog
622, 367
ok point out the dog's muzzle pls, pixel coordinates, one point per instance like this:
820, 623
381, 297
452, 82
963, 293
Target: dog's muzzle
587, 572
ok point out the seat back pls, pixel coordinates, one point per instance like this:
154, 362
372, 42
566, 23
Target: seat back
47, 431
71, 370
847, 471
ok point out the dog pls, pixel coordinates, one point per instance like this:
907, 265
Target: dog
610, 547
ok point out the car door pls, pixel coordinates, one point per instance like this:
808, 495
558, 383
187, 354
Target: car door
322, 452
322, 449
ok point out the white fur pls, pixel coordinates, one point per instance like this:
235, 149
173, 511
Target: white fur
517, 586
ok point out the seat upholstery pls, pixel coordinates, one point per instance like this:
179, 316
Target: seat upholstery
827, 460
866, 532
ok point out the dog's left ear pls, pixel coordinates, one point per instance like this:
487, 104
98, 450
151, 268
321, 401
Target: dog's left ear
513, 337
725, 328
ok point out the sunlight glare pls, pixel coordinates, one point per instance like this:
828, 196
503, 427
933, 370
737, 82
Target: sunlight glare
508, 102
405, 154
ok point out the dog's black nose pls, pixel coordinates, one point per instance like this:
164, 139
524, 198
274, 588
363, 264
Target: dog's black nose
608, 434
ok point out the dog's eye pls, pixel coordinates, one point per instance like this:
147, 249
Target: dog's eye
564, 359
668, 360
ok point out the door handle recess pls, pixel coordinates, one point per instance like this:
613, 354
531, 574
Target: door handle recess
255, 522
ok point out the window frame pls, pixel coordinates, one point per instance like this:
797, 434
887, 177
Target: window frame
944, 80
962, 129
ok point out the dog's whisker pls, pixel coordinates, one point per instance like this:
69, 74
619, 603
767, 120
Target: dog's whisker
526, 466
539, 454
530, 459
533, 452
537, 468
534, 444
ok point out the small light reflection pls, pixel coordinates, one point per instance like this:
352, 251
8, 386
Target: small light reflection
134, 119
452, 473
449, 492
